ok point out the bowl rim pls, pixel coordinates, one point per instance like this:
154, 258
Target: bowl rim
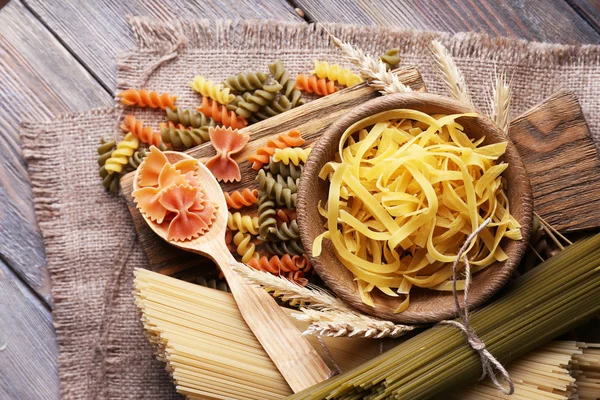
442, 304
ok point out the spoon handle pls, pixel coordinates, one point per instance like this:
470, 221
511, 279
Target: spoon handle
299, 363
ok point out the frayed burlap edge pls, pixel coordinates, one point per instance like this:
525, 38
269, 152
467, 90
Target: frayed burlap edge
156, 36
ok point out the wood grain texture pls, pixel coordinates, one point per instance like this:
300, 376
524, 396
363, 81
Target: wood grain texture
39, 79
426, 306
562, 162
310, 119
97, 30
543, 20
589, 10
28, 350
295, 358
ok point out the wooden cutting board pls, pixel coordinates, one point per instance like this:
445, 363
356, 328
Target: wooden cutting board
552, 137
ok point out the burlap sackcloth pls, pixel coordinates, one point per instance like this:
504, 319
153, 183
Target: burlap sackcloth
90, 242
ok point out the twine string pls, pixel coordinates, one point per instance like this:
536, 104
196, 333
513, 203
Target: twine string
489, 363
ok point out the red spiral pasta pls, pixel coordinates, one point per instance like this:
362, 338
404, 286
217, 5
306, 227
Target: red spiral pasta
284, 266
312, 84
262, 155
241, 198
221, 114
144, 133
144, 98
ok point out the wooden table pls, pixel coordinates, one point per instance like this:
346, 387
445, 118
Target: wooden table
59, 56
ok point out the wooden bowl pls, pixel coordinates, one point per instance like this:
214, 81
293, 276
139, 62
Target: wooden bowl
426, 305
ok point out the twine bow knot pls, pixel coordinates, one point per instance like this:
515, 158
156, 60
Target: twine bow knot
489, 363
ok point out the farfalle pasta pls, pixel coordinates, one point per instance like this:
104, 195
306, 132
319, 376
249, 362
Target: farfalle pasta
263, 154
171, 195
145, 98
313, 84
227, 142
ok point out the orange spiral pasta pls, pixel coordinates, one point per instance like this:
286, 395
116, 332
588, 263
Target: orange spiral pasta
144, 133
221, 114
285, 215
262, 155
312, 84
144, 98
241, 198
284, 266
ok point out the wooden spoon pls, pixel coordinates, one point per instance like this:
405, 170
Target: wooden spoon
291, 353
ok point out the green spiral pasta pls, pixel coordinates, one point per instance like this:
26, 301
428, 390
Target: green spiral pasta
136, 159
259, 98
184, 137
281, 190
292, 247
284, 232
246, 82
188, 117
391, 58
288, 85
109, 181
213, 283
285, 171
281, 105
266, 215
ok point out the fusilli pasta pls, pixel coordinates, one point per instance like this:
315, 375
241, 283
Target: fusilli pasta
391, 58
190, 118
137, 157
284, 266
312, 84
144, 98
120, 156
181, 137
109, 181
262, 155
292, 247
282, 191
213, 283
145, 133
241, 198
279, 168
210, 89
293, 155
286, 215
284, 232
244, 246
289, 85
259, 98
266, 215
334, 72
242, 223
221, 114
278, 106
246, 82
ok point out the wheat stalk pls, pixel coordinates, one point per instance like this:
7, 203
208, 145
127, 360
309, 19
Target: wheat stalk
336, 323
501, 95
450, 73
287, 290
373, 70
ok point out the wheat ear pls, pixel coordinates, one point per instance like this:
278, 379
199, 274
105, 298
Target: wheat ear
372, 69
501, 96
450, 73
279, 287
337, 323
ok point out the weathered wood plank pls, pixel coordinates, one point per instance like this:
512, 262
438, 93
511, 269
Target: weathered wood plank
39, 78
562, 162
543, 20
28, 350
589, 10
310, 120
97, 30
